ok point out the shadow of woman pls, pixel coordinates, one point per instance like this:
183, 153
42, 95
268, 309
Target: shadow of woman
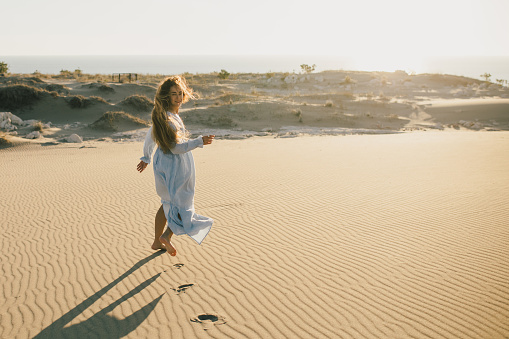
101, 324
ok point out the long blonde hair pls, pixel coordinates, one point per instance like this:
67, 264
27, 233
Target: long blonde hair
165, 136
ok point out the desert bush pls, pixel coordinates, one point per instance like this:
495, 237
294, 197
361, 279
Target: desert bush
95, 99
38, 126
188, 76
486, 76
60, 89
307, 69
17, 96
297, 113
138, 102
223, 74
65, 74
329, 103
112, 121
78, 101
501, 81
347, 80
106, 89
4, 68
4, 143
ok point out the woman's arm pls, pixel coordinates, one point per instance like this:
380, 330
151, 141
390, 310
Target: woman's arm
189, 145
148, 147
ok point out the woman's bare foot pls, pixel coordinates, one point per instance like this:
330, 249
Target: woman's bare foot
157, 245
168, 246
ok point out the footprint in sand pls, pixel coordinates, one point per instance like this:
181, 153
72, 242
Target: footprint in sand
209, 319
178, 266
182, 288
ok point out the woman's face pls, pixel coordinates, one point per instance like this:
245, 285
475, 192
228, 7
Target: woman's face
176, 97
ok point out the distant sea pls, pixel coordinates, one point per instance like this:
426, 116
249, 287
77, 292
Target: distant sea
497, 66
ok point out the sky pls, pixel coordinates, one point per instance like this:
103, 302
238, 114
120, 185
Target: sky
385, 29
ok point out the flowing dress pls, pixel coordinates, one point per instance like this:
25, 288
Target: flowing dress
174, 174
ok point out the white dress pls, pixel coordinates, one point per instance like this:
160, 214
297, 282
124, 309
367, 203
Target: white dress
174, 174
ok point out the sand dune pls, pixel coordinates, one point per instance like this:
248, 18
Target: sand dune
372, 236
330, 102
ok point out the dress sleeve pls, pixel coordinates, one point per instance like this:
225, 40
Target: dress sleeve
187, 146
148, 147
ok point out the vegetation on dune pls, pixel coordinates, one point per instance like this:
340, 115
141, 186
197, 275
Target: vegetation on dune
14, 97
347, 80
38, 126
65, 74
79, 101
138, 102
106, 89
297, 113
4, 143
223, 74
111, 121
100, 80
486, 76
240, 99
96, 99
307, 69
4, 68
35, 82
60, 89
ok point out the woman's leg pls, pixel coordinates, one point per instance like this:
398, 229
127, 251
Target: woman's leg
165, 240
159, 223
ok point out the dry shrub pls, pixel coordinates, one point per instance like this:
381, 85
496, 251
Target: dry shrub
138, 102
106, 89
297, 113
60, 89
79, 101
19, 80
18, 96
112, 121
95, 99
38, 126
4, 143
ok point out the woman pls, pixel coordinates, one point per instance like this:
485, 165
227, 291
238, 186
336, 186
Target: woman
174, 166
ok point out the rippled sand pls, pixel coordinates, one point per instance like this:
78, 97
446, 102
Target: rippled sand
374, 236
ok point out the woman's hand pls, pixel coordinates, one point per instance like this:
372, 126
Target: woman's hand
207, 140
141, 166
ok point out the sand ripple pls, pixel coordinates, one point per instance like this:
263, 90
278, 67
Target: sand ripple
315, 237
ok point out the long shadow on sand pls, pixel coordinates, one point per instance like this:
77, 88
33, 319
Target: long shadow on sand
102, 325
